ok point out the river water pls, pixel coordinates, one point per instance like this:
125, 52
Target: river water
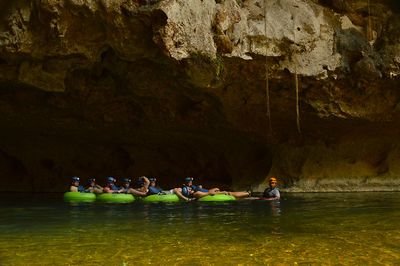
301, 229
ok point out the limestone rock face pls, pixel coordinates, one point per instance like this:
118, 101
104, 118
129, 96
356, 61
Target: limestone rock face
181, 87
297, 33
188, 28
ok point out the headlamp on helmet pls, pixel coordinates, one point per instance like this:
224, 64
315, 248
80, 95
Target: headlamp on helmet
111, 179
188, 179
126, 180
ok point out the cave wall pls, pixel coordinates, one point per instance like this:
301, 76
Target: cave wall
176, 88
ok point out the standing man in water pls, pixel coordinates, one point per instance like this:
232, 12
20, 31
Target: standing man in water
75, 187
272, 192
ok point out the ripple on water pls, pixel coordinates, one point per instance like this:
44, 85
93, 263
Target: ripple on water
304, 229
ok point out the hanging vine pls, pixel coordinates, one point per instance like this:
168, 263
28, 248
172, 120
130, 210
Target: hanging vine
296, 80
297, 102
266, 69
370, 36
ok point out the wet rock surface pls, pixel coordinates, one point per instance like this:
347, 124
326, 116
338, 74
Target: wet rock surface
174, 88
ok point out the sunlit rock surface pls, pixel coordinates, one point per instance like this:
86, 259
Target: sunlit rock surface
178, 87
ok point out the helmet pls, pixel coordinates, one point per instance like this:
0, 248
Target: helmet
272, 179
140, 181
75, 179
126, 180
152, 179
188, 179
111, 179
90, 180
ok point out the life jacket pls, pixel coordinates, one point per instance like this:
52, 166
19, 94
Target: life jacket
186, 191
271, 192
124, 188
154, 190
114, 187
139, 183
196, 188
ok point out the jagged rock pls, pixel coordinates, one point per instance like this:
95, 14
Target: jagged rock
178, 87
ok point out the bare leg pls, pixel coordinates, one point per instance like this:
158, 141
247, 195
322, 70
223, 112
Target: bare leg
239, 194
199, 194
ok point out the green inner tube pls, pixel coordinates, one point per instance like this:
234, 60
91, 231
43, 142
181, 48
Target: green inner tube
115, 198
161, 198
79, 197
217, 197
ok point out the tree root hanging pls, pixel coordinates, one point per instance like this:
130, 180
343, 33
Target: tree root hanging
296, 79
266, 70
267, 96
297, 102
370, 34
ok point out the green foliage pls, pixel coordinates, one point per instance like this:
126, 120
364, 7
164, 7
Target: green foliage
216, 63
219, 66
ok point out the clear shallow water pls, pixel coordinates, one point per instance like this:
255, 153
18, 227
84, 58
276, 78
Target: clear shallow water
304, 229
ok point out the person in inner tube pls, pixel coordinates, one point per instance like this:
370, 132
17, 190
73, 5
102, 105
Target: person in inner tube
272, 192
126, 187
111, 187
156, 190
75, 187
189, 190
92, 187
186, 192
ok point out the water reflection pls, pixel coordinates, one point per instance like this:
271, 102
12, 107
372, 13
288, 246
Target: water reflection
275, 213
275, 208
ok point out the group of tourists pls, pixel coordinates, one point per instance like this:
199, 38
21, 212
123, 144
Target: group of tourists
147, 186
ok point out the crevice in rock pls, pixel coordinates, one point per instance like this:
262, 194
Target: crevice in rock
13, 171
